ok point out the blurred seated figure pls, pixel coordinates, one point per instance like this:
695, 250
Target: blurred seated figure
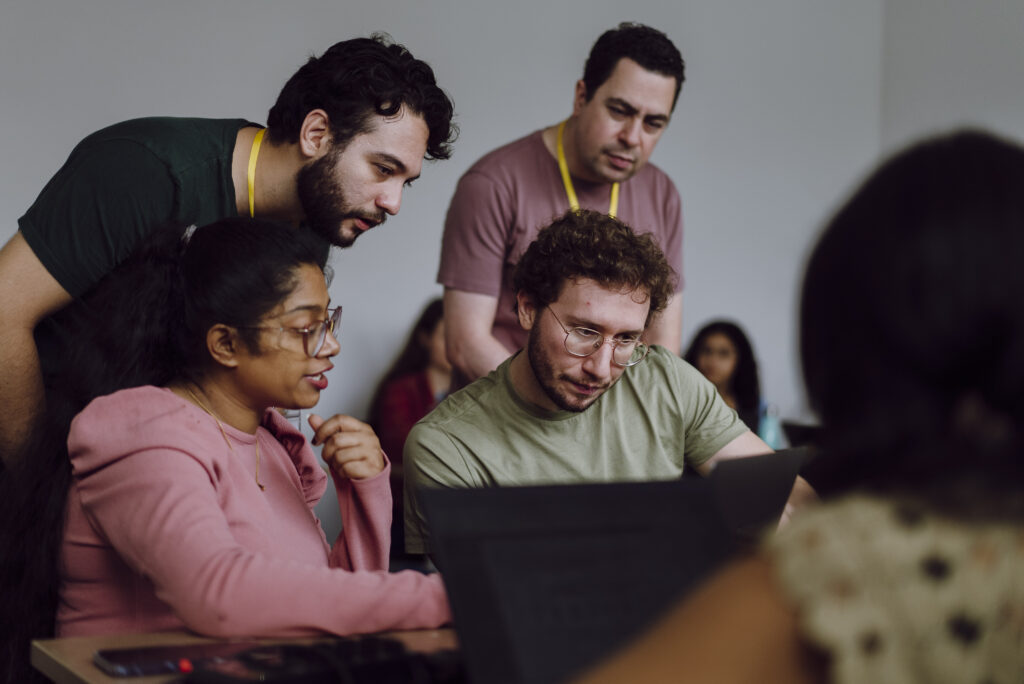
417, 380
187, 500
912, 343
723, 354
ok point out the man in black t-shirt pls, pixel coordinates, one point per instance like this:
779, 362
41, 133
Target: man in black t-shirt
347, 132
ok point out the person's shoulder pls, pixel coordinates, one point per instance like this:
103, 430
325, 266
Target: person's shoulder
660, 361
663, 376
136, 416
139, 401
497, 161
151, 125
473, 405
164, 134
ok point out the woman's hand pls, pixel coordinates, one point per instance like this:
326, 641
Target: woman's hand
351, 447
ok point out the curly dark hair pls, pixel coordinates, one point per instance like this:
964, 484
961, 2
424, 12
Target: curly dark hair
648, 47
744, 384
589, 244
912, 329
357, 79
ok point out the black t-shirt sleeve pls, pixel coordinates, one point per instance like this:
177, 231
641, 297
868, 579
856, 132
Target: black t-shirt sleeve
94, 211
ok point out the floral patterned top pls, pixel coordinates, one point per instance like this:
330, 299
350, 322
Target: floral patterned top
894, 593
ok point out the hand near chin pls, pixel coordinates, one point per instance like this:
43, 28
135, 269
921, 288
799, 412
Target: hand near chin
351, 447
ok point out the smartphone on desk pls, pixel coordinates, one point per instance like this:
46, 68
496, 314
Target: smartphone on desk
152, 660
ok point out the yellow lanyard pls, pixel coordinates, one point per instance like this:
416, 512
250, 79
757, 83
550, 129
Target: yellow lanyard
570, 192
251, 174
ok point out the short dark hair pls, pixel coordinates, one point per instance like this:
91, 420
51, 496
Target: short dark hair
357, 79
589, 244
648, 47
912, 328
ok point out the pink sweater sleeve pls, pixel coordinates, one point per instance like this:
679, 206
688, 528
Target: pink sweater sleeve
364, 505
171, 515
365, 539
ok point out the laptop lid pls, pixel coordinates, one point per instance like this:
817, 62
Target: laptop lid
751, 492
545, 581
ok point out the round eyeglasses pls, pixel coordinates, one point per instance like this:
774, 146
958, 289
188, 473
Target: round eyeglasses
626, 352
314, 336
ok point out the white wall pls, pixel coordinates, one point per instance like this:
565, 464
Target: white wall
951, 64
779, 115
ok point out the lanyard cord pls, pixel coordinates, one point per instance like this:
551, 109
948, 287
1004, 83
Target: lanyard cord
570, 192
251, 173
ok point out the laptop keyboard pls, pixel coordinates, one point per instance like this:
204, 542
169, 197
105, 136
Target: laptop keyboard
351, 660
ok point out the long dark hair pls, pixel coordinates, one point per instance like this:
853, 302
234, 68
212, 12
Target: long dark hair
912, 328
744, 384
143, 324
415, 355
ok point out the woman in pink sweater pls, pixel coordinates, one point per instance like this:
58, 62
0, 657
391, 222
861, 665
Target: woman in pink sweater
191, 501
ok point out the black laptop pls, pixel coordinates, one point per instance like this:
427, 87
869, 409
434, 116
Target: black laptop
545, 581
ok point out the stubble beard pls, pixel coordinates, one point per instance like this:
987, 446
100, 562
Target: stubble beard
544, 373
323, 201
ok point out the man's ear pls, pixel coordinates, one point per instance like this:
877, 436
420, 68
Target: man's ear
526, 311
224, 345
579, 98
315, 134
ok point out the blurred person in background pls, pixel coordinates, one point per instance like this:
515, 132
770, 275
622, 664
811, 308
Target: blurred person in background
417, 380
722, 352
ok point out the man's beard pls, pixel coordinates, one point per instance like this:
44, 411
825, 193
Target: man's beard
545, 374
323, 201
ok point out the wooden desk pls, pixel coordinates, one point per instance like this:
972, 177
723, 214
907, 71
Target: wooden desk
69, 661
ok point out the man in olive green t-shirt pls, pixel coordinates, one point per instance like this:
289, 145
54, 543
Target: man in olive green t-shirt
348, 131
586, 400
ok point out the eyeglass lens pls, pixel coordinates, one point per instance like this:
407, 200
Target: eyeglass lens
318, 333
623, 353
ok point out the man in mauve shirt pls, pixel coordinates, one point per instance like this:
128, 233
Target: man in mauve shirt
622, 105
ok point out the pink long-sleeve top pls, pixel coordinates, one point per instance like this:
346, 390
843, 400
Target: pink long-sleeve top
167, 528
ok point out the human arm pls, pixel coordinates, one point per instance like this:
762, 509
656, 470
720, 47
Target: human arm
227, 558
468, 320
738, 627
360, 472
711, 421
85, 221
746, 444
667, 328
479, 232
29, 293
350, 446
432, 460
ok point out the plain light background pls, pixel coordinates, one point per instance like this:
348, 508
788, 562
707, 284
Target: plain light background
787, 104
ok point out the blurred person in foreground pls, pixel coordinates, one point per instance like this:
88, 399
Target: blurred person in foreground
912, 338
